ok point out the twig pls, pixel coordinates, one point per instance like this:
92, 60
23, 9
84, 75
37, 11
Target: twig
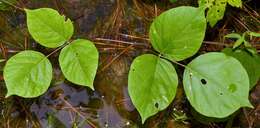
75, 110
120, 41
136, 37
216, 43
121, 53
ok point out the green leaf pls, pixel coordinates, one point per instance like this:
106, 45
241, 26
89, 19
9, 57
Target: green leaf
238, 42
6, 4
27, 74
233, 35
254, 34
250, 62
178, 33
216, 12
216, 85
152, 84
235, 3
79, 62
206, 3
216, 9
48, 27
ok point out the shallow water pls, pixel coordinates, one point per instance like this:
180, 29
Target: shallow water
68, 105
65, 104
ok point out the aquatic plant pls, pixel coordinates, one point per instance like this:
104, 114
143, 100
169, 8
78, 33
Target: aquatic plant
215, 84
29, 73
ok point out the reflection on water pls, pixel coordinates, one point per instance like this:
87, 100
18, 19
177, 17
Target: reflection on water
68, 105
108, 106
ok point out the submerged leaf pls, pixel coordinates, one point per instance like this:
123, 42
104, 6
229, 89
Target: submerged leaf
79, 61
48, 27
152, 84
178, 33
54, 122
216, 85
27, 74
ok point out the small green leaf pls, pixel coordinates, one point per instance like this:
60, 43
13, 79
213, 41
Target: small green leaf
152, 84
206, 3
238, 42
233, 35
216, 85
252, 50
235, 3
27, 74
79, 62
247, 44
254, 34
216, 12
48, 27
178, 33
250, 62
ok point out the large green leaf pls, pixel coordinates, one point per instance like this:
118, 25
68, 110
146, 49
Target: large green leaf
152, 84
79, 61
250, 62
178, 33
216, 85
48, 27
27, 74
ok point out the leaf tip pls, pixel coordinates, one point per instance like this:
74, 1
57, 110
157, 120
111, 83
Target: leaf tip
248, 104
143, 119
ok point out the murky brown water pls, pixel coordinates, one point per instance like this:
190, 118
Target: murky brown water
66, 105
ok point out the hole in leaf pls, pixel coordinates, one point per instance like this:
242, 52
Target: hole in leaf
232, 88
203, 81
156, 105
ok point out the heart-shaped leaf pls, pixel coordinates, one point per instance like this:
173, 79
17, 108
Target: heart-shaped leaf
79, 61
250, 62
178, 33
152, 84
216, 85
48, 27
27, 74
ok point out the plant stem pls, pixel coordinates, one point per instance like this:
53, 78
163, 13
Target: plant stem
75, 110
59, 48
